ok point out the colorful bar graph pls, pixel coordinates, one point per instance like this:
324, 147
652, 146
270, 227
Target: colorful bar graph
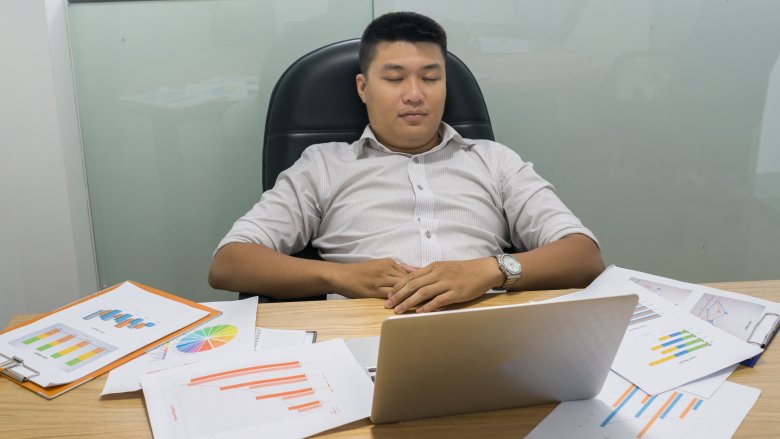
69, 350
647, 401
120, 318
110, 314
257, 386
81, 358
260, 383
678, 354
299, 395
657, 415
694, 402
306, 406
244, 371
681, 347
620, 403
41, 336
682, 335
281, 394
671, 406
55, 343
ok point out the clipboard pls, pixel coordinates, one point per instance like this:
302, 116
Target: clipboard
762, 343
14, 369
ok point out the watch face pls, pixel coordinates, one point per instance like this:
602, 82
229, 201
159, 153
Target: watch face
511, 264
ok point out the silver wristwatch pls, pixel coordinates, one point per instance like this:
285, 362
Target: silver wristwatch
511, 268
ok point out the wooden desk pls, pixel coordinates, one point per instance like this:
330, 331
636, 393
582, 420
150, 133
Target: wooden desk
81, 413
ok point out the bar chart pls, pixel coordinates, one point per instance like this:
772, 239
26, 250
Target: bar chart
642, 313
623, 411
292, 387
68, 348
120, 319
283, 392
635, 404
677, 344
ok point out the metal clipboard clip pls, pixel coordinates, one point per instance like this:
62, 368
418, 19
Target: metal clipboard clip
7, 368
769, 335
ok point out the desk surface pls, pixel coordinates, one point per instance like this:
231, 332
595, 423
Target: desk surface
81, 413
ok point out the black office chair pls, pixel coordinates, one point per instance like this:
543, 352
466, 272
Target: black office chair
316, 101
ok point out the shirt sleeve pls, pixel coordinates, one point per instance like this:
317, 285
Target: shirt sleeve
288, 215
535, 214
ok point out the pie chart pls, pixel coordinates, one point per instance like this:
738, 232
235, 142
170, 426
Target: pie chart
206, 339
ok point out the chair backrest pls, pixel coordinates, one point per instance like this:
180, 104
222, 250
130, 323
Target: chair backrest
316, 101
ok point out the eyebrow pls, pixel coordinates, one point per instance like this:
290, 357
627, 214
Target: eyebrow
398, 67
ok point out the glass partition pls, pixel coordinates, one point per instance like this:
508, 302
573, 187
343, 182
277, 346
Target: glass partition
658, 121
172, 98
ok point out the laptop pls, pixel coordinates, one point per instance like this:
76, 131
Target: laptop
472, 360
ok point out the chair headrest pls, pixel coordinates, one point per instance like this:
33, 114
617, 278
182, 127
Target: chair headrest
316, 101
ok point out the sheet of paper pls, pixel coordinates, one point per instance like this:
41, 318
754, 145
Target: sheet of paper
622, 410
266, 338
664, 347
280, 393
229, 335
85, 337
738, 314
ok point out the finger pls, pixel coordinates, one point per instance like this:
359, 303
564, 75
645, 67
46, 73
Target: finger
406, 287
409, 268
384, 292
422, 295
440, 301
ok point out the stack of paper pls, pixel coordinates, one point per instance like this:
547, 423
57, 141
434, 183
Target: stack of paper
671, 369
230, 335
292, 392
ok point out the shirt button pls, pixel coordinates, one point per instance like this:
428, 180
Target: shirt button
416, 160
419, 186
428, 234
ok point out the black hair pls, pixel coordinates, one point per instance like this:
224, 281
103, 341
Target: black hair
399, 26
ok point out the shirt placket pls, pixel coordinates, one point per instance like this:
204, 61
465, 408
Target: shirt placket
424, 205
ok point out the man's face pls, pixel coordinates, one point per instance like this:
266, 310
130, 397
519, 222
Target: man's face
404, 92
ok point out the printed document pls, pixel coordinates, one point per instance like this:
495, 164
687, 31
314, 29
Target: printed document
279, 393
230, 335
622, 410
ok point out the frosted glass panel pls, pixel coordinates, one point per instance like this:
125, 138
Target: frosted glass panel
658, 121
172, 99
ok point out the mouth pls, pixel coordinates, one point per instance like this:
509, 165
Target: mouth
413, 116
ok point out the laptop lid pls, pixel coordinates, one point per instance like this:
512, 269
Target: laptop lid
471, 360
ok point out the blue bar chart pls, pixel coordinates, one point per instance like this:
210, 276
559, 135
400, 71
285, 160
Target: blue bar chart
120, 319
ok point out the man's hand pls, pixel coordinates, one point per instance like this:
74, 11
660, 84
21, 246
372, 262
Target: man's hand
374, 278
444, 283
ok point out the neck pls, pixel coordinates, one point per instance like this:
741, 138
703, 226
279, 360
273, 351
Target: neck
429, 145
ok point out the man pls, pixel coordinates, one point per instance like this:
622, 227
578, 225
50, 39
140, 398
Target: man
411, 212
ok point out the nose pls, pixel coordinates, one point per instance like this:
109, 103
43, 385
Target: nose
413, 93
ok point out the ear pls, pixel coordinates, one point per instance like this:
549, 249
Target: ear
360, 82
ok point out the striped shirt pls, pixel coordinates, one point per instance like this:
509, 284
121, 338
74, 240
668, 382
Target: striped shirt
463, 199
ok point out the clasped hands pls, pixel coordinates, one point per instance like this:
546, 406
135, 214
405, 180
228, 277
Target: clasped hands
426, 288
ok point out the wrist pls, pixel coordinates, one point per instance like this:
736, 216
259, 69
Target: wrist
495, 277
331, 275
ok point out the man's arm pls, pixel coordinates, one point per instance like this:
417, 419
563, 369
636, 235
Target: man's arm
254, 268
570, 262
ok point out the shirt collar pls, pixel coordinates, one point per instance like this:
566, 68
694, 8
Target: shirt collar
447, 133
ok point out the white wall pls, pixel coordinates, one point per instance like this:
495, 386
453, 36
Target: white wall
46, 252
